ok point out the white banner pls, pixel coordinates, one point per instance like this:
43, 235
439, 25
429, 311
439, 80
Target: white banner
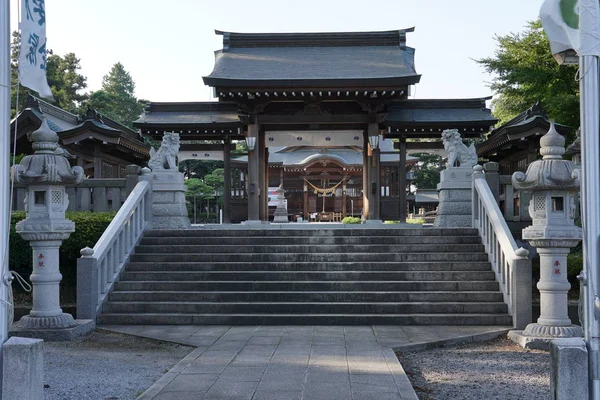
572, 24
32, 61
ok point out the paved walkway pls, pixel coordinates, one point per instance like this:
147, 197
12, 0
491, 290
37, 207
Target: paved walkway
295, 362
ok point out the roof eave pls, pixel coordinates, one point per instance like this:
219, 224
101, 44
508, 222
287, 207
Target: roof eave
313, 83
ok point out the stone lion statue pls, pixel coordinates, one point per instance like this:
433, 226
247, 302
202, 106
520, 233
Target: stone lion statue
459, 155
164, 158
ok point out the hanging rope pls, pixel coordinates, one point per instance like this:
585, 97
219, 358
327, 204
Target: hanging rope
325, 191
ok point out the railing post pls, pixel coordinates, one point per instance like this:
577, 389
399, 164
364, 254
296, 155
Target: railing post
521, 282
477, 174
146, 176
492, 176
132, 173
87, 285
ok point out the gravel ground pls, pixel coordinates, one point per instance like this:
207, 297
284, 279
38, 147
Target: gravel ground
105, 365
498, 369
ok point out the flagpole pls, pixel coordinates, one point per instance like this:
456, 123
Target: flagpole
4, 168
590, 196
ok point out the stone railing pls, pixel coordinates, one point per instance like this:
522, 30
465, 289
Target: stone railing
99, 268
510, 263
90, 195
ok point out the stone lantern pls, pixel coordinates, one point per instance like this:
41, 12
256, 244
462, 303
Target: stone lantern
553, 183
281, 213
45, 173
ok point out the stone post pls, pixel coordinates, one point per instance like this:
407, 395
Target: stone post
45, 174
23, 365
569, 369
169, 210
454, 209
281, 214
132, 173
492, 176
552, 182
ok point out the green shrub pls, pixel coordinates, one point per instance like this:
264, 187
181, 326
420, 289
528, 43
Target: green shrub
89, 226
351, 220
203, 218
408, 221
574, 268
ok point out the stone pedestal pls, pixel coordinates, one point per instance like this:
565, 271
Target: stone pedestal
168, 208
455, 207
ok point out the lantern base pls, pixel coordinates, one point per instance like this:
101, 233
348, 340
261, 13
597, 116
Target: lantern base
536, 336
80, 327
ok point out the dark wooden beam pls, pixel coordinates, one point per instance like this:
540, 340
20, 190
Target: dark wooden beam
313, 119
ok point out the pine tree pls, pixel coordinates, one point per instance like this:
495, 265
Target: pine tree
117, 98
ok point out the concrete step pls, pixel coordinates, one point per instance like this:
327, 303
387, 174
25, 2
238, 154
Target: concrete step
306, 296
285, 286
292, 275
305, 307
308, 257
314, 248
308, 276
304, 319
318, 240
291, 232
310, 266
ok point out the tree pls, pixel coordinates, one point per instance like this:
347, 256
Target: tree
426, 174
62, 74
199, 168
116, 99
525, 72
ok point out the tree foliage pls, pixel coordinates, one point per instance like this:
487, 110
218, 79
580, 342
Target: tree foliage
62, 74
117, 98
426, 174
525, 72
198, 168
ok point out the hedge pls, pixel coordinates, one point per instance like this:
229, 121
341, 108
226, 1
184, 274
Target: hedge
89, 226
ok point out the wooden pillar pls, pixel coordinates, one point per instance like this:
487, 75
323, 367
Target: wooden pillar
344, 197
305, 199
227, 181
97, 162
253, 173
365, 176
374, 177
402, 180
262, 177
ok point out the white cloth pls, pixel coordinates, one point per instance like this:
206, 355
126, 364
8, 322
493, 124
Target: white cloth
32, 61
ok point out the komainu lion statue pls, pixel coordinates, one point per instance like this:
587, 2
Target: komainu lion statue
459, 155
164, 158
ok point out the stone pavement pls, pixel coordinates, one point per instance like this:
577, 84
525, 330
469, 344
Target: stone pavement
295, 362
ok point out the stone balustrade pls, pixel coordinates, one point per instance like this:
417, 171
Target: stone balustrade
509, 262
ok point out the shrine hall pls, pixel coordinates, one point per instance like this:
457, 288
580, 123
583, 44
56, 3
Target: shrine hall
326, 116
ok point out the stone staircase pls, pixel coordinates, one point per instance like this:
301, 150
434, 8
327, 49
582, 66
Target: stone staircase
357, 276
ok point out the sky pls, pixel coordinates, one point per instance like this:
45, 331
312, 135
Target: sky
168, 46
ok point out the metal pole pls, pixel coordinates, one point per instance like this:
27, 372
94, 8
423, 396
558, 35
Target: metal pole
4, 168
590, 195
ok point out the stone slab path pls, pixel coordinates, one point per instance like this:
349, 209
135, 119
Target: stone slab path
295, 362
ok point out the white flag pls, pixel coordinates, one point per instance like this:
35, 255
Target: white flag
572, 24
32, 61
